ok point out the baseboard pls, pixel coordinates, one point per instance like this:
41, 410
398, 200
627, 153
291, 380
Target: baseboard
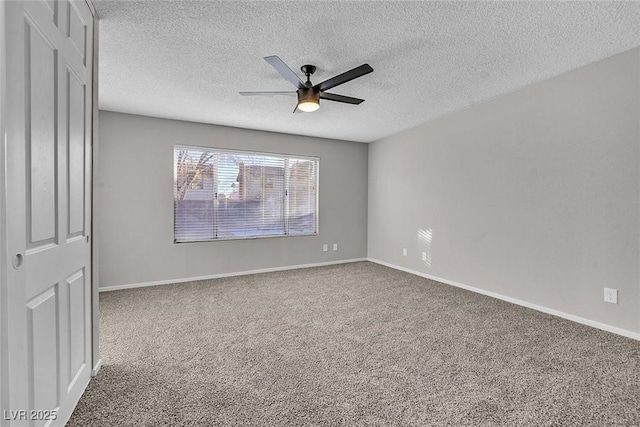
219, 276
578, 319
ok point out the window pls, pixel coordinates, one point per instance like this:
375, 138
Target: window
222, 194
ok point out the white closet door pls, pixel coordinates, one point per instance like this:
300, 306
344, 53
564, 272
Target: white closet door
48, 209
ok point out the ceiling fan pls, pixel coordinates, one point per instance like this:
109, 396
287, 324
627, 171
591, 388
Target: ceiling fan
309, 95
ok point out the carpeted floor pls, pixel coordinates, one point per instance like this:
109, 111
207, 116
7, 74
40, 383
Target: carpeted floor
351, 344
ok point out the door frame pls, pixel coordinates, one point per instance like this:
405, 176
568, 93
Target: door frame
96, 362
3, 234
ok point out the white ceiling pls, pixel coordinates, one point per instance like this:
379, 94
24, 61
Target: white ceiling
187, 60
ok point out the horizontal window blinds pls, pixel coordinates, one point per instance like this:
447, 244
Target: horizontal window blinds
302, 196
222, 194
250, 195
194, 195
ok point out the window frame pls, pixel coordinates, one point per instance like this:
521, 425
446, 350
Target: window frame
286, 157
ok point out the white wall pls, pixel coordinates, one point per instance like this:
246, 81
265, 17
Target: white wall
534, 195
134, 218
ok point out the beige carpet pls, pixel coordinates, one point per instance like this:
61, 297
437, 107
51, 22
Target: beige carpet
353, 344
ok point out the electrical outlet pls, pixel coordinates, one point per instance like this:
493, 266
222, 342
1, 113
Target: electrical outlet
335, 246
404, 251
325, 247
611, 295
424, 256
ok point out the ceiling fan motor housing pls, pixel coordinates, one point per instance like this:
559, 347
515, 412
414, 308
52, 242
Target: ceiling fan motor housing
308, 94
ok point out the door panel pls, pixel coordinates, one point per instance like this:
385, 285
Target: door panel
77, 32
76, 154
40, 85
52, 5
43, 353
77, 333
48, 166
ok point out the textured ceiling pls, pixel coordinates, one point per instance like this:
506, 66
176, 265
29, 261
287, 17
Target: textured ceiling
187, 60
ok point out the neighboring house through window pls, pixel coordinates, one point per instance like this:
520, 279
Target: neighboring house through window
223, 194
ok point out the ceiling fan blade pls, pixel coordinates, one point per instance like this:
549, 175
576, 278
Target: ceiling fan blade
269, 92
284, 70
344, 77
340, 98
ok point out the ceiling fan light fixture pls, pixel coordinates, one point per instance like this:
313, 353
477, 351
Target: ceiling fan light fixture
308, 105
308, 99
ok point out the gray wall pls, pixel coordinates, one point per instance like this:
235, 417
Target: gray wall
533, 195
134, 219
